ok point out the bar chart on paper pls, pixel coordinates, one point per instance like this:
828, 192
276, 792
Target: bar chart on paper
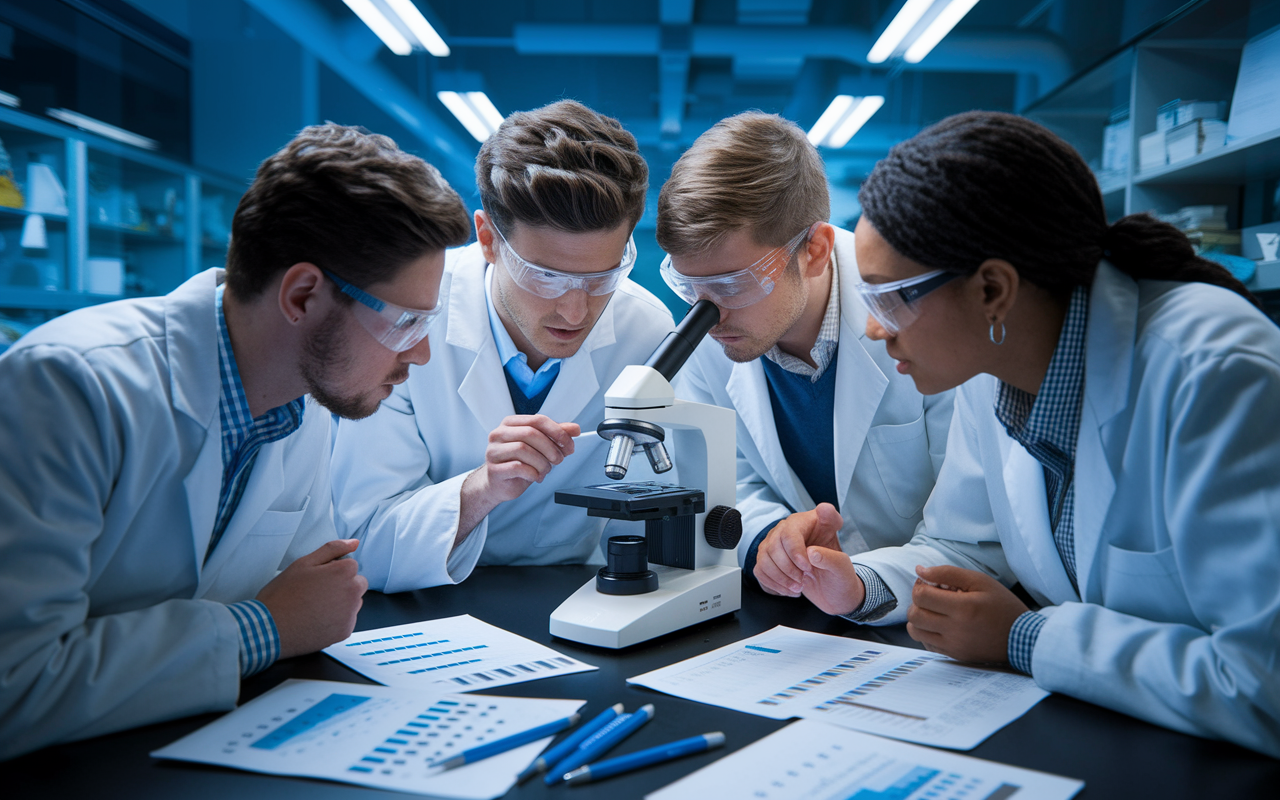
809, 760
372, 735
462, 653
891, 691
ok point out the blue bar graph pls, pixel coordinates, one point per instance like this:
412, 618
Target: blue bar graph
903, 788
321, 712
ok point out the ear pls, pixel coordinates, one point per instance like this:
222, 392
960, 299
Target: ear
486, 236
301, 292
822, 241
999, 283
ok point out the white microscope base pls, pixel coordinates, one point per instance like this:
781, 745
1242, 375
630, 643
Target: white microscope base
684, 597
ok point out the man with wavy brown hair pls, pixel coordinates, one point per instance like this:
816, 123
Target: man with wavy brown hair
540, 318
165, 524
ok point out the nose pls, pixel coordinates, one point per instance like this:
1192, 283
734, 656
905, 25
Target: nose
876, 331
419, 354
572, 306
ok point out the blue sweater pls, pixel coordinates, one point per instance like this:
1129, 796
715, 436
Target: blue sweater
804, 416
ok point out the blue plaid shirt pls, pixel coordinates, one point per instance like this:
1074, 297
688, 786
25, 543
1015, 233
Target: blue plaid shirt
242, 437
1047, 425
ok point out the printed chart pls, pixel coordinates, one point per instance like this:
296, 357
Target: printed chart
461, 653
892, 691
373, 736
809, 760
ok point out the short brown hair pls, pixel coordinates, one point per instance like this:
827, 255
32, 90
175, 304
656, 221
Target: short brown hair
752, 171
346, 200
562, 166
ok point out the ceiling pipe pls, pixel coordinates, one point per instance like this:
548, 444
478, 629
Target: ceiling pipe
313, 29
1017, 51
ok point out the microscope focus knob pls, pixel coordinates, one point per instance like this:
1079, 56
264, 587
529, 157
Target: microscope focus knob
723, 527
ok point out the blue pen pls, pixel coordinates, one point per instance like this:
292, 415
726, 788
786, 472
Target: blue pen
507, 743
570, 743
602, 742
644, 758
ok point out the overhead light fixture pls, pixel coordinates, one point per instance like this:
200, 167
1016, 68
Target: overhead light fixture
10, 100
902, 23
102, 128
474, 110
938, 29
374, 14
906, 21
843, 118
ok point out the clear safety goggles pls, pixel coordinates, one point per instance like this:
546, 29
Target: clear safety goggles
894, 304
734, 289
397, 328
552, 283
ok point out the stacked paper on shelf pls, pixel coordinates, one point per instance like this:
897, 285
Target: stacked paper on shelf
1180, 112
1255, 106
1151, 151
1214, 241
1115, 143
1205, 218
1185, 142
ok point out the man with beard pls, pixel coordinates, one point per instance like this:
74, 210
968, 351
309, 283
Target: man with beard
836, 448
539, 320
165, 493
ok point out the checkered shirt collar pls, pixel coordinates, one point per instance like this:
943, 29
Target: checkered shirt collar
1053, 415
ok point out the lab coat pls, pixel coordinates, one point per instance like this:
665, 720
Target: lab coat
890, 440
1177, 514
109, 617
397, 475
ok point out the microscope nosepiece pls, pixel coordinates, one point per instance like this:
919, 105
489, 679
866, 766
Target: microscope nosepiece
620, 448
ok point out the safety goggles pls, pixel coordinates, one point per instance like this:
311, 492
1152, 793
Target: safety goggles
552, 283
397, 328
734, 289
894, 304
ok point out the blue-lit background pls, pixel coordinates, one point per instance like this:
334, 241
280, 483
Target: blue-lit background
208, 88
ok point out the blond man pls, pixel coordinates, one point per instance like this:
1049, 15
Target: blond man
836, 448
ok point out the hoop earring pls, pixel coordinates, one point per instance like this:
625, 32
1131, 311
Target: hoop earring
992, 334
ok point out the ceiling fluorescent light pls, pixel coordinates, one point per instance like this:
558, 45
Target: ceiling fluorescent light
938, 29
418, 26
467, 115
483, 106
102, 129
10, 100
902, 23
827, 122
858, 117
380, 25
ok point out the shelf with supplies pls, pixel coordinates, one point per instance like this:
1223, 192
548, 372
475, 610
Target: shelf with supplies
1184, 122
86, 220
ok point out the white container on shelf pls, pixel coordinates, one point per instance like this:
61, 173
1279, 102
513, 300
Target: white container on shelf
104, 276
1151, 151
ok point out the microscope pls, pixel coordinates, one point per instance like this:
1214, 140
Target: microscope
685, 568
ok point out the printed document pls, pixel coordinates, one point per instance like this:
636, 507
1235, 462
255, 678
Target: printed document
812, 761
460, 653
891, 691
374, 736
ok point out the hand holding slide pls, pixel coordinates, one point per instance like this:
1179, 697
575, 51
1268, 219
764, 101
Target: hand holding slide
315, 600
969, 620
782, 559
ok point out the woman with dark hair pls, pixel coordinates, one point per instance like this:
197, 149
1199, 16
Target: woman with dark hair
1115, 447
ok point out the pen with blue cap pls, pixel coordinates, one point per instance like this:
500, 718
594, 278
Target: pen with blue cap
645, 758
507, 743
600, 743
570, 743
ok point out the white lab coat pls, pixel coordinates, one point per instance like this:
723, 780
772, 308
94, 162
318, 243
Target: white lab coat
108, 492
890, 440
397, 474
1177, 514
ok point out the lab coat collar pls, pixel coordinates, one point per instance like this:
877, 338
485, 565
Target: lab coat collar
1033, 552
263, 488
191, 343
1110, 342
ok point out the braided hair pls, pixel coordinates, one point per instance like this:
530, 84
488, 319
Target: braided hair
986, 185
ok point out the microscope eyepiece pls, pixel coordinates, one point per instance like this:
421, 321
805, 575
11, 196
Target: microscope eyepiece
680, 343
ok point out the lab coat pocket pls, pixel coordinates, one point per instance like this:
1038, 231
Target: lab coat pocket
257, 557
1145, 585
901, 454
